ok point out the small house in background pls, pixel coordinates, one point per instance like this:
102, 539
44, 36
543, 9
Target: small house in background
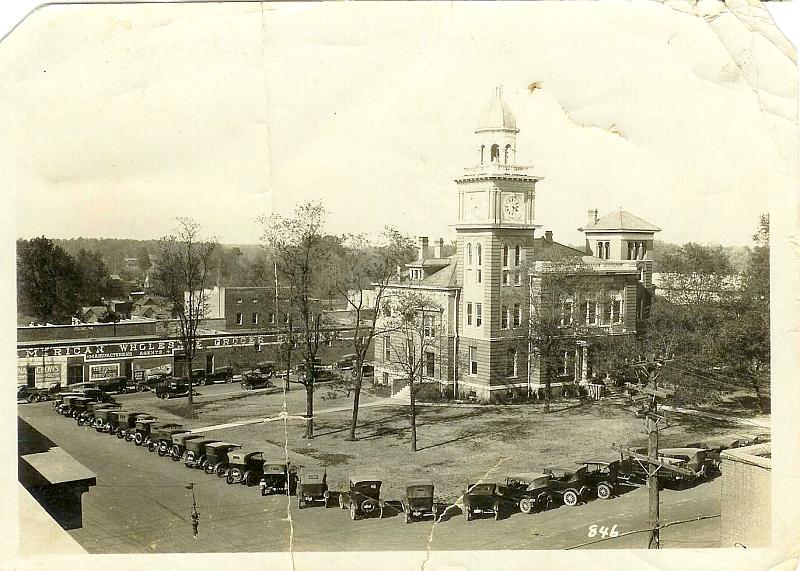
92, 313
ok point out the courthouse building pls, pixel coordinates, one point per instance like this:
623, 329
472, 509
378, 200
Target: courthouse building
481, 297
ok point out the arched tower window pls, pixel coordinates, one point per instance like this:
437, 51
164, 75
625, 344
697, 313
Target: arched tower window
505, 256
608, 250
517, 255
495, 153
508, 153
479, 254
483, 148
469, 254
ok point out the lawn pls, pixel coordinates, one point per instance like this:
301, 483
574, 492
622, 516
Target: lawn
456, 444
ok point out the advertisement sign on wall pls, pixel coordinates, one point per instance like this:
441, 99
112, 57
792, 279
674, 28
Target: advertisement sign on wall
105, 371
44, 374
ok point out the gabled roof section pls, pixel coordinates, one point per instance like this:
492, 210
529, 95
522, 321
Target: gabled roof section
446, 277
621, 221
548, 250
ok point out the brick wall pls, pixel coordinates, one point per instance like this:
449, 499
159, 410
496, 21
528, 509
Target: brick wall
745, 498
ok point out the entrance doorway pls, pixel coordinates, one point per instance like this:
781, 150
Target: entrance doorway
128, 369
30, 376
209, 363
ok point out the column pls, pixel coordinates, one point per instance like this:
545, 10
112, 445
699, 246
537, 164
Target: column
584, 363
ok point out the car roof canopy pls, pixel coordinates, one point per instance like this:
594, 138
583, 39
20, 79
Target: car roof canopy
363, 478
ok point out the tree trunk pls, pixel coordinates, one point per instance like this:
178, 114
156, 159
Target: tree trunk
288, 366
547, 385
191, 400
356, 397
309, 409
413, 417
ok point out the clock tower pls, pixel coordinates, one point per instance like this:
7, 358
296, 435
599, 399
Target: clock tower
495, 230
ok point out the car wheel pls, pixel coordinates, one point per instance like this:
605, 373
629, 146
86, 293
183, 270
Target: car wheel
219, 469
163, 396
603, 491
120, 433
229, 479
353, 512
162, 451
81, 421
570, 498
208, 469
140, 388
229, 380
33, 398
137, 439
300, 504
526, 505
247, 386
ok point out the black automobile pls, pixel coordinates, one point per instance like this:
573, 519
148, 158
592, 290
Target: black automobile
363, 497
245, 467
95, 394
530, 492
115, 385
482, 498
33, 394
312, 486
122, 423
152, 382
195, 456
79, 406
172, 388
605, 476
568, 484
180, 443
322, 374
88, 415
259, 376
278, 477
346, 362
161, 437
418, 501
220, 375
62, 401
217, 457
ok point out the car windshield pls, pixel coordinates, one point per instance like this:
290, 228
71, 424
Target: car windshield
481, 489
419, 491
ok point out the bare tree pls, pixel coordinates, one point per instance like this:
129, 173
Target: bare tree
414, 334
299, 250
367, 270
181, 274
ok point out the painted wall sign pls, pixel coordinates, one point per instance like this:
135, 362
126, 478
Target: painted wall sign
44, 374
105, 371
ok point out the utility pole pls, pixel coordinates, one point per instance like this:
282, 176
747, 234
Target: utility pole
652, 371
195, 514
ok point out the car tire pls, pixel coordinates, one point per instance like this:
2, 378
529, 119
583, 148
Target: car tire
120, 433
229, 479
138, 439
526, 505
80, 420
220, 471
247, 386
604, 491
229, 380
353, 512
570, 498
300, 504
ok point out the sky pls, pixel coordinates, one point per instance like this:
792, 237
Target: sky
117, 118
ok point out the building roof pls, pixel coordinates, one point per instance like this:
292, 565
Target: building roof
497, 115
545, 249
623, 221
446, 277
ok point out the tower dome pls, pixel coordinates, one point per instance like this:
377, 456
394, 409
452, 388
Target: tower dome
497, 115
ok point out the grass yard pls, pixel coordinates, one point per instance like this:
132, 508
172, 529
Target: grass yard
456, 444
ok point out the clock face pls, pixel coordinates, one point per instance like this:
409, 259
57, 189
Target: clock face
512, 207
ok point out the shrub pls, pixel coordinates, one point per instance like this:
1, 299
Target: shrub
430, 392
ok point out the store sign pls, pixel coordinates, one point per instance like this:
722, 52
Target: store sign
106, 371
44, 374
106, 351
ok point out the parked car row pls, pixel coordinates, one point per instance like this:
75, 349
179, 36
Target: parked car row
528, 492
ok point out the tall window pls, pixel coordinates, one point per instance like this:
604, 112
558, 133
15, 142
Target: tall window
504, 317
469, 254
469, 313
430, 364
428, 326
511, 366
255, 318
517, 255
495, 153
478, 276
478, 315
517, 315
505, 256
387, 355
506, 277
239, 319
517, 278
616, 311
566, 313
507, 154
479, 255
483, 148
272, 317
608, 250
473, 360
591, 312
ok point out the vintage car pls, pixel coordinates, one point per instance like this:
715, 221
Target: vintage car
604, 476
179, 443
140, 433
217, 457
96, 394
122, 422
363, 497
694, 459
220, 375
60, 398
195, 456
567, 484
244, 467
161, 437
278, 477
312, 486
88, 415
151, 382
418, 501
259, 377
530, 492
102, 418
346, 362
115, 385
33, 394
67, 402
482, 498
172, 388
322, 374
78, 405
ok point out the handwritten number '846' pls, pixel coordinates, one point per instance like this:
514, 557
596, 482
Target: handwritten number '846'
603, 531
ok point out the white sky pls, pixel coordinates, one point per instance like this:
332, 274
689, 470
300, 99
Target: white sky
119, 117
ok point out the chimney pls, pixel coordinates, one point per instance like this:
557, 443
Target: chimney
592, 217
423, 247
437, 248
548, 235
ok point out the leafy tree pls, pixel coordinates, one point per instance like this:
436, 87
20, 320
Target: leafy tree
94, 276
414, 333
298, 248
143, 259
48, 281
181, 276
365, 270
